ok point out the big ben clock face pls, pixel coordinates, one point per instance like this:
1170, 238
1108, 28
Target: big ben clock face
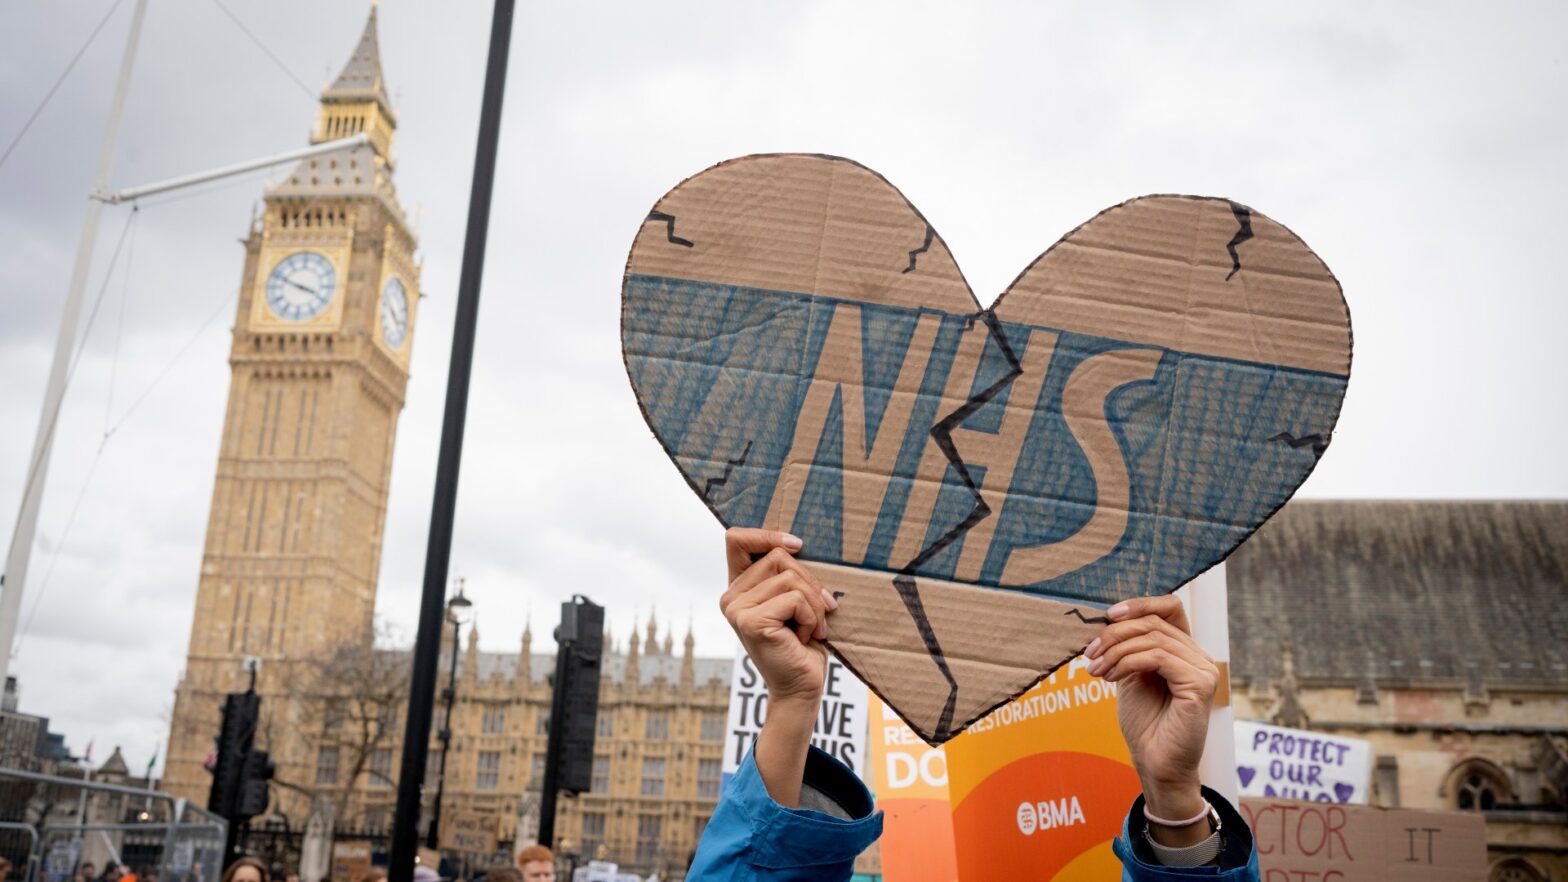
394, 313
301, 286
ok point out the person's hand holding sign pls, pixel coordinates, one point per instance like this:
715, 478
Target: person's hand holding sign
1165, 690
779, 611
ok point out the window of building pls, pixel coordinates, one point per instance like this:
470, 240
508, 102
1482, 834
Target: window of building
656, 725
593, 834
709, 773
604, 725
542, 723
653, 776
1517, 870
381, 767
333, 715
1385, 782
601, 775
494, 721
1478, 788
649, 828
389, 717
327, 766
536, 770
489, 776
698, 825
713, 726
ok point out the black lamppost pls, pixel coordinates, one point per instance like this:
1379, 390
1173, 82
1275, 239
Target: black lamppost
458, 601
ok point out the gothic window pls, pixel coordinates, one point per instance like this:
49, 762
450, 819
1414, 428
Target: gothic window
713, 726
1478, 787
649, 828
601, 776
536, 771
494, 722
1516, 870
709, 774
381, 768
653, 776
593, 833
656, 726
699, 824
542, 723
327, 766
604, 725
489, 776
333, 715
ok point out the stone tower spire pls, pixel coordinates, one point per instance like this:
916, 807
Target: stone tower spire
525, 658
632, 680
470, 671
688, 669
652, 645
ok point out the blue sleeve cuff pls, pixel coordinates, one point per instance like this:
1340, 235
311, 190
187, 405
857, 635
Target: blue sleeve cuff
1238, 860
836, 822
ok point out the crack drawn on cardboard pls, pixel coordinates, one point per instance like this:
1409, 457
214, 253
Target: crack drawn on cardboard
925, 246
1317, 440
1243, 233
669, 228
729, 466
942, 434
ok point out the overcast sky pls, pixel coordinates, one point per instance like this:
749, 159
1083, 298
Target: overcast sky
1418, 149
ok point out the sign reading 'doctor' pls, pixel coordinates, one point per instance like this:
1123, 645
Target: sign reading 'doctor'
840, 728
1142, 397
1274, 761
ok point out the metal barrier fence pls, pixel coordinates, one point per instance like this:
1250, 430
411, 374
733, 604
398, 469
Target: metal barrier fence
53, 824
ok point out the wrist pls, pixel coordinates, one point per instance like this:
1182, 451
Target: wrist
1173, 799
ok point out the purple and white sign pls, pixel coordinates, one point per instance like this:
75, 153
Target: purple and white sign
1296, 764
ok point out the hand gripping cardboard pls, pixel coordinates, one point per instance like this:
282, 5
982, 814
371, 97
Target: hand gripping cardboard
978, 484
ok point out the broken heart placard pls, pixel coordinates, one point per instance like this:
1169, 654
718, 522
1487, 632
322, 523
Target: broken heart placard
978, 484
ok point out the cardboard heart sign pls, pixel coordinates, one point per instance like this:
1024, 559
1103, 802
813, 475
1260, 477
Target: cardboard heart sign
977, 484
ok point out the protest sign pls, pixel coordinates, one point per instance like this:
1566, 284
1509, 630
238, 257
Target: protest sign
840, 728
909, 778
350, 861
468, 832
1296, 764
1142, 397
1040, 786
1329, 842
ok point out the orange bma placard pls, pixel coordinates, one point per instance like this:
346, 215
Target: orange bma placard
910, 781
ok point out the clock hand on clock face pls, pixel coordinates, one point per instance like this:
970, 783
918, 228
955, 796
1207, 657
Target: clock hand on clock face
311, 291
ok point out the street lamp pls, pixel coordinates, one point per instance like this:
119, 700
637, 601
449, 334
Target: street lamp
458, 601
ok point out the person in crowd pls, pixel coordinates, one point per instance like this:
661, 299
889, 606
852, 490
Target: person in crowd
293, 876
246, 869
537, 864
794, 812
85, 871
5, 869
423, 873
374, 874
150, 874
128, 873
111, 872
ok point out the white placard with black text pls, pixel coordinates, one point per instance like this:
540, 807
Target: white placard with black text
841, 723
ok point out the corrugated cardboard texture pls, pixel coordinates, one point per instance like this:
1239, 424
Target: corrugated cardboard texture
1143, 396
1357, 843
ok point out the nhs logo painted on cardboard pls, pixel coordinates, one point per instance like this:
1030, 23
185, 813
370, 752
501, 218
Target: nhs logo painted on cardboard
1141, 399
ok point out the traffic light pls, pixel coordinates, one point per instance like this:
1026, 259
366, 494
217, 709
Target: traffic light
237, 733
575, 705
256, 771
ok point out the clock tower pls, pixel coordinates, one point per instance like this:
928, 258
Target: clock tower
327, 302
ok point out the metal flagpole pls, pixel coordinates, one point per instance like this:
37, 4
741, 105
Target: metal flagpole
427, 643
14, 579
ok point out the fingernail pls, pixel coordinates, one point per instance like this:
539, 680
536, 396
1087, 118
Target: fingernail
1116, 611
829, 599
822, 630
1094, 667
1093, 649
790, 541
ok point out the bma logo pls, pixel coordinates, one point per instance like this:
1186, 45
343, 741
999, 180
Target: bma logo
1049, 814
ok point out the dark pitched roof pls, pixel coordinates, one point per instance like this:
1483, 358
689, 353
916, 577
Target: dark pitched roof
1396, 592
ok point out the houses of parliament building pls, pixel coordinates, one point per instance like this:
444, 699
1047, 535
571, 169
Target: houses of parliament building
328, 306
